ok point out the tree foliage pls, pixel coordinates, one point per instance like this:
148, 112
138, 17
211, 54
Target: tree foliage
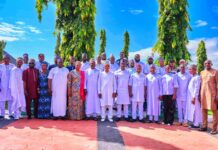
75, 21
58, 43
173, 24
201, 56
2, 47
126, 44
102, 41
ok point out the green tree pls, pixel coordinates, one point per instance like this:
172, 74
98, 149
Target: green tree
75, 20
102, 41
2, 47
126, 44
173, 24
201, 56
58, 43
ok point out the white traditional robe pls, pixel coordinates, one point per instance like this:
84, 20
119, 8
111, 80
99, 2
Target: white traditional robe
25, 66
122, 79
106, 87
100, 67
131, 70
154, 90
138, 83
142, 66
91, 85
114, 67
183, 81
193, 111
17, 91
5, 71
39, 65
147, 68
59, 91
85, 66
161, 70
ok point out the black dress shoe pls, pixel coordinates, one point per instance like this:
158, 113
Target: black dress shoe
127, 119
55, 118
117, 119
1, 117
142, 120
194, 127
29, 117
157, 122
11, 117
149, 121
203, 129
132, 120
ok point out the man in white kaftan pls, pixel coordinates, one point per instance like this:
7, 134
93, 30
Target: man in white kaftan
193, 112
183, 79
5, 92
91, 91
106, 91
122, 79
17, 90
57, 84
85, 64
137, 85
154, 93
113, 65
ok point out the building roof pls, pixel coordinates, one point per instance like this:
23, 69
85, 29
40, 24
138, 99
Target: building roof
12, 59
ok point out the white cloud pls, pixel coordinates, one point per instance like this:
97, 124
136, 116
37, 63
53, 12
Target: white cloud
200, 23
20, 23
34, 30
136, 11
8, 38
13, 32
133, 11
211, 46
214, 28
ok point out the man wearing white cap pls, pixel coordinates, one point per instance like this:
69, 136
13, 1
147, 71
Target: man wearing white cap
106, 91
113, 66
183, 79
122, 79
5, 92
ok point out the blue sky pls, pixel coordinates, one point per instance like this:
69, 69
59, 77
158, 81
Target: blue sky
20, 27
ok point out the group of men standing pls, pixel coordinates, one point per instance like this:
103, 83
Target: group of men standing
123, 84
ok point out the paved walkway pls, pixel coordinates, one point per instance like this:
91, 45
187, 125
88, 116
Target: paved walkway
90, 135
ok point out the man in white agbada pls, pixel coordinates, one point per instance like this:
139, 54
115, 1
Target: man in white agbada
91, 90
138, 61
148, 65
183, 79
106, 91
113, 65
5, 92
57, 85
85, 63
154, 93
17, 90
99, 65
161, 68
193, 112
25, 64
137, 92
122, 79
169, 92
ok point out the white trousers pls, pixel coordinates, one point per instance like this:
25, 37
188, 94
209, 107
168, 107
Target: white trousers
181, 106
2, 108
137, 107
119, 111
155, 118
109, 114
